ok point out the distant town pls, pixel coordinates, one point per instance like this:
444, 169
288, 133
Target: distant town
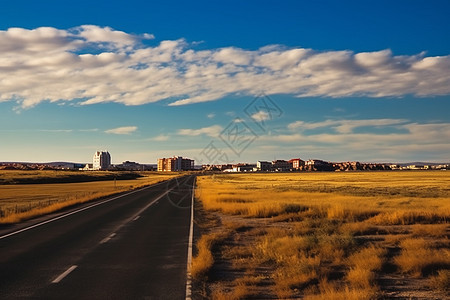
102, 161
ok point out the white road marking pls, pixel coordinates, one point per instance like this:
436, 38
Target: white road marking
189, 257
135, 216
106, 239
63, 275
76, 211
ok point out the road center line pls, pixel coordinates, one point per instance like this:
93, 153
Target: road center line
189, 257
135, 216
63, 275
106, 239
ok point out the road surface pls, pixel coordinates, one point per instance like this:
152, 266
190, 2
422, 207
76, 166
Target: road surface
129, 247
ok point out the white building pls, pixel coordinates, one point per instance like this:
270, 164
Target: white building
102, 160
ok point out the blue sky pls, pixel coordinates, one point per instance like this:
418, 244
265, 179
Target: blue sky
241, 81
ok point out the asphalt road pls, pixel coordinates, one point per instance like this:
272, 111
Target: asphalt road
132, 247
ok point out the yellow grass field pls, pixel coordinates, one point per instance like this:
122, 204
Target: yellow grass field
19, 202
357, 235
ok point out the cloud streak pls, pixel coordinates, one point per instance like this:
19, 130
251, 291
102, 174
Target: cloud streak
212, 131
345, 126
91, 64
122, 130
341, 132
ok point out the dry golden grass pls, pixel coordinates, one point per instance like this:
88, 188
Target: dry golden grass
315, 240
441, 281
333, 291
358, 228
363, 265
19, 202
429, 230
370, 258
294, 265
49, 176
242, 289
419, 257
204, 259
274, 194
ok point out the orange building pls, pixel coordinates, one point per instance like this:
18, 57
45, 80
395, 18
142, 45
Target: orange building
176, 163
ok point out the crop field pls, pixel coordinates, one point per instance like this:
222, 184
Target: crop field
22, 201
357, 235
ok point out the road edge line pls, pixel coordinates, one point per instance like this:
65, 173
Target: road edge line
191, 239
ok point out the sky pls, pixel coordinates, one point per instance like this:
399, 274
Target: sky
225, 82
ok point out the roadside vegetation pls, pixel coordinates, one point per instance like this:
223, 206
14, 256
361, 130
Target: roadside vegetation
32, 197
361, 235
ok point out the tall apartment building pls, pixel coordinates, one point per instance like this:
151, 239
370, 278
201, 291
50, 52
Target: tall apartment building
101, 161
176, 163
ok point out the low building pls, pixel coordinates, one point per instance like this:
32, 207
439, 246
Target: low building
87, 167
318, 165
281, 165
134, 166
416, 167
176, 163
242, 168
263, 166
297, 163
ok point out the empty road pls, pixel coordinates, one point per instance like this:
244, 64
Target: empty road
133, 246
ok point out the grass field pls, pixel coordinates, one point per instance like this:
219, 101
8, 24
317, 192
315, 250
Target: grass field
61, 176
19, 202
361, 235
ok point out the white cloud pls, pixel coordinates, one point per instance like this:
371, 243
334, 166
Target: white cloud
211, 115
425, 135
261, 116
212, 131
92, 64
122, 130
345, 126
160, 138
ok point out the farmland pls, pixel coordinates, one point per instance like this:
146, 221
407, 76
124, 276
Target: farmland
361, 235
27, 194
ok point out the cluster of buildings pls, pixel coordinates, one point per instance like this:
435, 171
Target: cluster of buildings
279, 165
102, 161
420, 167
297, 164
176, 163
